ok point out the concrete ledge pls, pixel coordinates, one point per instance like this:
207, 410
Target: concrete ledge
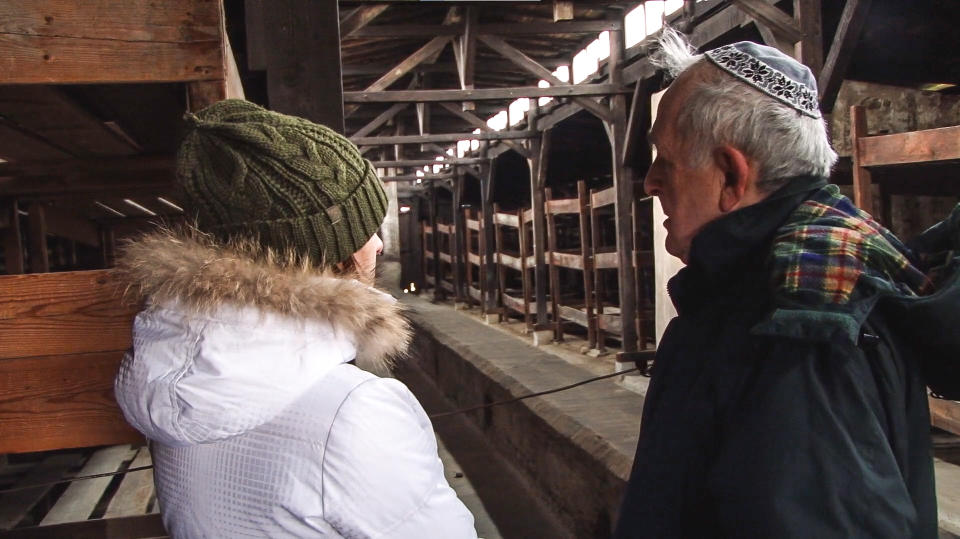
576, 447
542, 337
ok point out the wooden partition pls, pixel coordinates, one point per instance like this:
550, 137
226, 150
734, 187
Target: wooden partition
474, 269
643, 272
605, 259
64, 335
428, 256
577, 308
445, 254
518, 259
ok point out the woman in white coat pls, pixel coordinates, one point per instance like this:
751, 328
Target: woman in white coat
242, 369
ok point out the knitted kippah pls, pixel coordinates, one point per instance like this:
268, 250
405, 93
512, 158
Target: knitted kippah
282, 181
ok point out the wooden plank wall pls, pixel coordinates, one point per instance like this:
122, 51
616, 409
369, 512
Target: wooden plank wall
64, 337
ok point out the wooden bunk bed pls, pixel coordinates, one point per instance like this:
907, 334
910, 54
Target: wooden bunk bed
518, 259
565, 308
643, 271
604, 260
936, 150
474, 269
65, 332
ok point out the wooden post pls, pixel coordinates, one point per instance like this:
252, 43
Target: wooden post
487, 233
37, 231
524, 270
623, 179
435, 240
457, 229
539, 147
303, 60
809, 50
13, 241
586, 252
552, 270
862, 181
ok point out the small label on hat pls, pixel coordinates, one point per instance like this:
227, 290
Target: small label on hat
334, 213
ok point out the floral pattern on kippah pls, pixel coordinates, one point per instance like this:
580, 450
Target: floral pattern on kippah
766, 79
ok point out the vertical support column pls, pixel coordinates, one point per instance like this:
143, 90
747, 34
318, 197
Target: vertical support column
13, 241
303, 60
623, 179
457, 234
586, 252
487, 232
538, 179
39, 259
435, 240
809, 50
862, 180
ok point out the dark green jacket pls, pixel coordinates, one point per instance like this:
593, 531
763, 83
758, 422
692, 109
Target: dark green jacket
771, 413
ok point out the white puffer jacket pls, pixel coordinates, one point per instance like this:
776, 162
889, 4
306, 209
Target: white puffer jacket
259, 426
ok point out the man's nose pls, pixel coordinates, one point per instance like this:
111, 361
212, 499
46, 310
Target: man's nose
651, 186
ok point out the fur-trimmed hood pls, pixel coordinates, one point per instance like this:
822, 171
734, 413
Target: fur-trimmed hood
231, 335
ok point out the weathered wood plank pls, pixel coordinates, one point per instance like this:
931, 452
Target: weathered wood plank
925, 146
441, 137
101, 528
945, 415
361, 17
481, 94
54, 402
37, 234
13, 240
603, 198
611, 323
103, 41
506, 219
475, 121
566, 260
845, 40
606, 260
563, 205
771, 16
81, 497
862, 181
446, 257
15, 507
136, 489
573, 314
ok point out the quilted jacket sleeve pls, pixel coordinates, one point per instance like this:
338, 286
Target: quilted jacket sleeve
381, 473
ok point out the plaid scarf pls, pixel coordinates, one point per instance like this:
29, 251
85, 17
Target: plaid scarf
829, 252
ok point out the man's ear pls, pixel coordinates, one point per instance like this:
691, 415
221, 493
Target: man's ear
737, 176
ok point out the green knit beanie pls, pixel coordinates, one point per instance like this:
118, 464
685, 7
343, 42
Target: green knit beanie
283, 181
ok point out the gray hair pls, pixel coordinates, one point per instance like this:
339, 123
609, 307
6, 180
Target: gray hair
724, 110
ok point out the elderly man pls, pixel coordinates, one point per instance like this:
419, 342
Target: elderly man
784, 402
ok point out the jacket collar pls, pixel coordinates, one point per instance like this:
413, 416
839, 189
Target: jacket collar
201, 276
725, 246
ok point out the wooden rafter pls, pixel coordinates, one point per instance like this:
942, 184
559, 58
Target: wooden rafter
481, 94
481, 124
441, 137
841, 51
381, 119
781, 23
360, 17
468, 54
509, 29
424, 162
518, 57
433, 46
809, 50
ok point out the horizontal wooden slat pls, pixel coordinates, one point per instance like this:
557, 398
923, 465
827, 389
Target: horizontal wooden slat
563, 205
945, 415
610, 322
473, 224
603, 198
81, 497
514, 303
473, 258
427, 229
63, 313
914, 147
135, 491
510, 261
102, 41
506, 219
528, 215
566, 260
138, 526
573, 315
61, 401
446, 257
474, 293
443, 228
446, 285
605, 260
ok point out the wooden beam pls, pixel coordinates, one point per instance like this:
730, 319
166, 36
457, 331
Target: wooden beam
772, 39
433, 46
303, 61
478, 122
508, 30
468, 53
52, 187
852, 19
781, 23
360, 17
562, 10
539, 149
488, 245
489, 66
13, 240
37, 235
253, 13
926, 146
445, 137
65, 225
413, 177
422, 162
862, 180
380, 120
103, 41
515, 55
482, 94
809, 50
